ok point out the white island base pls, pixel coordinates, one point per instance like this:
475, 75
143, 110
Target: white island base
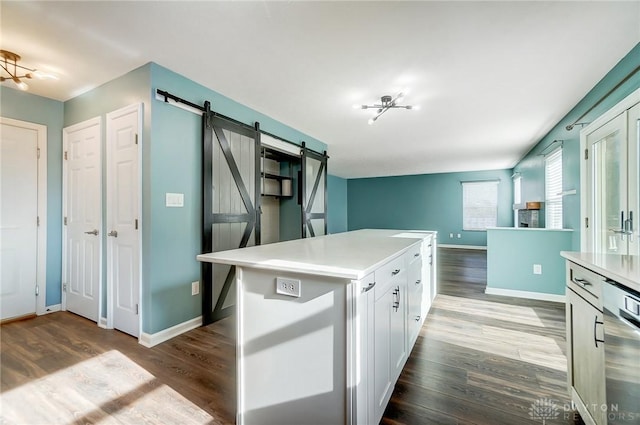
332, 354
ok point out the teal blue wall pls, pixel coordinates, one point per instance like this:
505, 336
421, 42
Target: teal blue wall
126, 90
531, 167
424, 202
175, 166
336, 204
23, 106
511, 254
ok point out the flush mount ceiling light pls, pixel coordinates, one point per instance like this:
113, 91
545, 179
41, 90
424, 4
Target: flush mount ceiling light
386, 102
14, 72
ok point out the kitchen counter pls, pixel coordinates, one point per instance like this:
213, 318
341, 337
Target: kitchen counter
624, 269
350, 255
325, 325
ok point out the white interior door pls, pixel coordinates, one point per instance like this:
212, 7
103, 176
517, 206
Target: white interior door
123, 211
633, 150
19, 217
83, 218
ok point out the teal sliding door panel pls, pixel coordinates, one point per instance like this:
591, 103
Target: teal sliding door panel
512, 254
336, 204
424, 202
23, 106
531, 167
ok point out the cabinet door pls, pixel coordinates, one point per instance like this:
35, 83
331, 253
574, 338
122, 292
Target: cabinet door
398, 337
382, 378
587, 355
415, 288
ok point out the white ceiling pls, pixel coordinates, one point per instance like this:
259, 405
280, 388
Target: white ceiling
491, 78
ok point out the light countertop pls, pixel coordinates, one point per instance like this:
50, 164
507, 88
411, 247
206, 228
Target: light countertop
624, 269
349, 255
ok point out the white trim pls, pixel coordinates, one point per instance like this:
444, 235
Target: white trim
41, 248
102, 323
51, 309
150, 340
525, 294
478, 247
279, 145
625, 104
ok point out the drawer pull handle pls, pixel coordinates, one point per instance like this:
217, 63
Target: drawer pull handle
417, 318
395, 272
417, 254
418, 281
582, 282
595, 336
369, 287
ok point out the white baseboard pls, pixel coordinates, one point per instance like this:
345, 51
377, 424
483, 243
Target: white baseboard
478, 247
52, 309
149, 340
525, 294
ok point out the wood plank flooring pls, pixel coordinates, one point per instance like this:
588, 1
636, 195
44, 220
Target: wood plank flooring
479, 360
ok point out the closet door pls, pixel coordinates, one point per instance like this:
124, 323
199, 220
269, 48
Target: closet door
314, 193
231, 201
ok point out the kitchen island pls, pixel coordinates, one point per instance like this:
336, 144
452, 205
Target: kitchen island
325, 324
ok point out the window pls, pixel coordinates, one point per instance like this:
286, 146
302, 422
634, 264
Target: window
479, 205
553, 189
517, 197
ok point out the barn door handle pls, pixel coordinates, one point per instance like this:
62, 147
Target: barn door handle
113, 233
93, 232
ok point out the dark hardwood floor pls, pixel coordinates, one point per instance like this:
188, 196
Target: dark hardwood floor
479, 359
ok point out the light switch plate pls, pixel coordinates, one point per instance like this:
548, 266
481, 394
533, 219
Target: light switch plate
174, 199
537, 269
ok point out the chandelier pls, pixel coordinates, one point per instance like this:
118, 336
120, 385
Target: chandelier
16, 73
386, 102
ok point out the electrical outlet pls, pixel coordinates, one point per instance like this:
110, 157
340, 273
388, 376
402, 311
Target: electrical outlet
459, 235
450, 235
290, 287
195, 287
537, 269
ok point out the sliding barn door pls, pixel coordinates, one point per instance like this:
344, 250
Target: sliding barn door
314, 193
231, 201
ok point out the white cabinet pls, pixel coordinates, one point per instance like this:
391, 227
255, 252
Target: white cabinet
389, 330
585, 343
334, 353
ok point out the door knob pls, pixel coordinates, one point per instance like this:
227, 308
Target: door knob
93, 232
113, 233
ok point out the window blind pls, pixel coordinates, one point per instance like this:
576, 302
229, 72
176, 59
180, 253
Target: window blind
479, 205
553, 189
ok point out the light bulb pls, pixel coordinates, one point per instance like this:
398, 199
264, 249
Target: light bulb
371, 121
20, 84
416, 107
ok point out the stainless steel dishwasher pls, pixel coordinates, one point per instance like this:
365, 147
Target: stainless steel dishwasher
622, 353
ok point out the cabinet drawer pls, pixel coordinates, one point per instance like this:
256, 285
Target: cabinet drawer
414, 253
414, 275
389, 273
585, 283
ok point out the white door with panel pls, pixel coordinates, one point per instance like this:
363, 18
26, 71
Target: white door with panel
613, 181
82, 218
123, 224
19, 217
